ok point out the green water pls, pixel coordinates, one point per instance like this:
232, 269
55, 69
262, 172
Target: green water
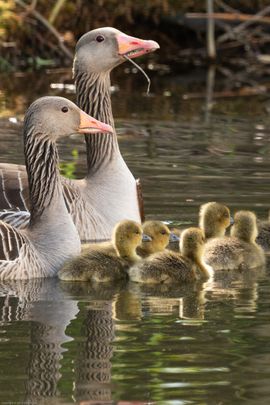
204, 344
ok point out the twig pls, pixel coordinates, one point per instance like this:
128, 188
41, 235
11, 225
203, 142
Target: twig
259, 17
141, 70
49, 27
55, 11
225, 7
249, 18
211, 48
243, 92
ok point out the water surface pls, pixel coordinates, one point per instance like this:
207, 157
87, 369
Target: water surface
203, 344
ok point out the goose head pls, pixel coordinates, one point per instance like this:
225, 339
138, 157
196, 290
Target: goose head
57, 117
127, 236
245, 226
160, 236
214, 218
102, 49
192, 243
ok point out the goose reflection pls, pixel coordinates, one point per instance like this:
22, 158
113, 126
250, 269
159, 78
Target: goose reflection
48, 312
92, 366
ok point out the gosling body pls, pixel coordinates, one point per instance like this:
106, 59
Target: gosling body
170, 267
238, 251
102, 266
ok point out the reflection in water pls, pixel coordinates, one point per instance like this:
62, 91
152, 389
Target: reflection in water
93, 363
46, 313
206, 343
137, 343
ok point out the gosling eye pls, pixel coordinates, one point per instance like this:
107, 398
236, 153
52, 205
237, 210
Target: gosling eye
64, 109
100, 38
163, 232
137, 232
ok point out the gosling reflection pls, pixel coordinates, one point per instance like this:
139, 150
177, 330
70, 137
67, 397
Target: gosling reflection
143, 300
241, 288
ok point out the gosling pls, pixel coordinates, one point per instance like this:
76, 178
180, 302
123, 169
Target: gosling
171, 267
214, 219
160, 237
100, 266
239, 251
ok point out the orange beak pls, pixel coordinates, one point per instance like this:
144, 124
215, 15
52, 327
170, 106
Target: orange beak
134, 47
89, 125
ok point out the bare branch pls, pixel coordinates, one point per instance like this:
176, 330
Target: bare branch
49, 27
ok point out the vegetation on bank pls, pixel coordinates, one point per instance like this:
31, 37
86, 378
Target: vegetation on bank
43, 32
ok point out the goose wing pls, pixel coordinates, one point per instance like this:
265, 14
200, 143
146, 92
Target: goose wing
14, 190
11, 241
17, 218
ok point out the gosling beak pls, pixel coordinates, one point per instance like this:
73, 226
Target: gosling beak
134, 47
174, 237
231, 221
146, 238
89, 125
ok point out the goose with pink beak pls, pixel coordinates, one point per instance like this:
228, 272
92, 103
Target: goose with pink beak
108, 193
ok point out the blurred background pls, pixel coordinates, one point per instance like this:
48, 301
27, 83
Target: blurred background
38, 33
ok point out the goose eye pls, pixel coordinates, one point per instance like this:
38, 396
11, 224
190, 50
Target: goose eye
64, 109
100, 38
137, 232
163, 232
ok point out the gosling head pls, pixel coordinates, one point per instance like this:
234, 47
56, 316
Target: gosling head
127, 236
192, 243
214, 218
245, 226
160, 236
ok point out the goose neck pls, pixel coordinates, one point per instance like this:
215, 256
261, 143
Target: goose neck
93, 96
42, 168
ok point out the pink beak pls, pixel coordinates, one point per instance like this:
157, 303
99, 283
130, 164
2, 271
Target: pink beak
134, 47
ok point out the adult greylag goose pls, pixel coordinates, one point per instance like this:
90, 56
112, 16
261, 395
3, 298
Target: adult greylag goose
103, 266
170, 267
51, 237
108, 193
239, 251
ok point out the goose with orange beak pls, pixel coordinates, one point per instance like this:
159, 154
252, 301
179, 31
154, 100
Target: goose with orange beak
108, 193
42, 247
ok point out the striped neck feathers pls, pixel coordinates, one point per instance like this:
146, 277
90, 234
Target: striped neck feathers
42, 160
93, 97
